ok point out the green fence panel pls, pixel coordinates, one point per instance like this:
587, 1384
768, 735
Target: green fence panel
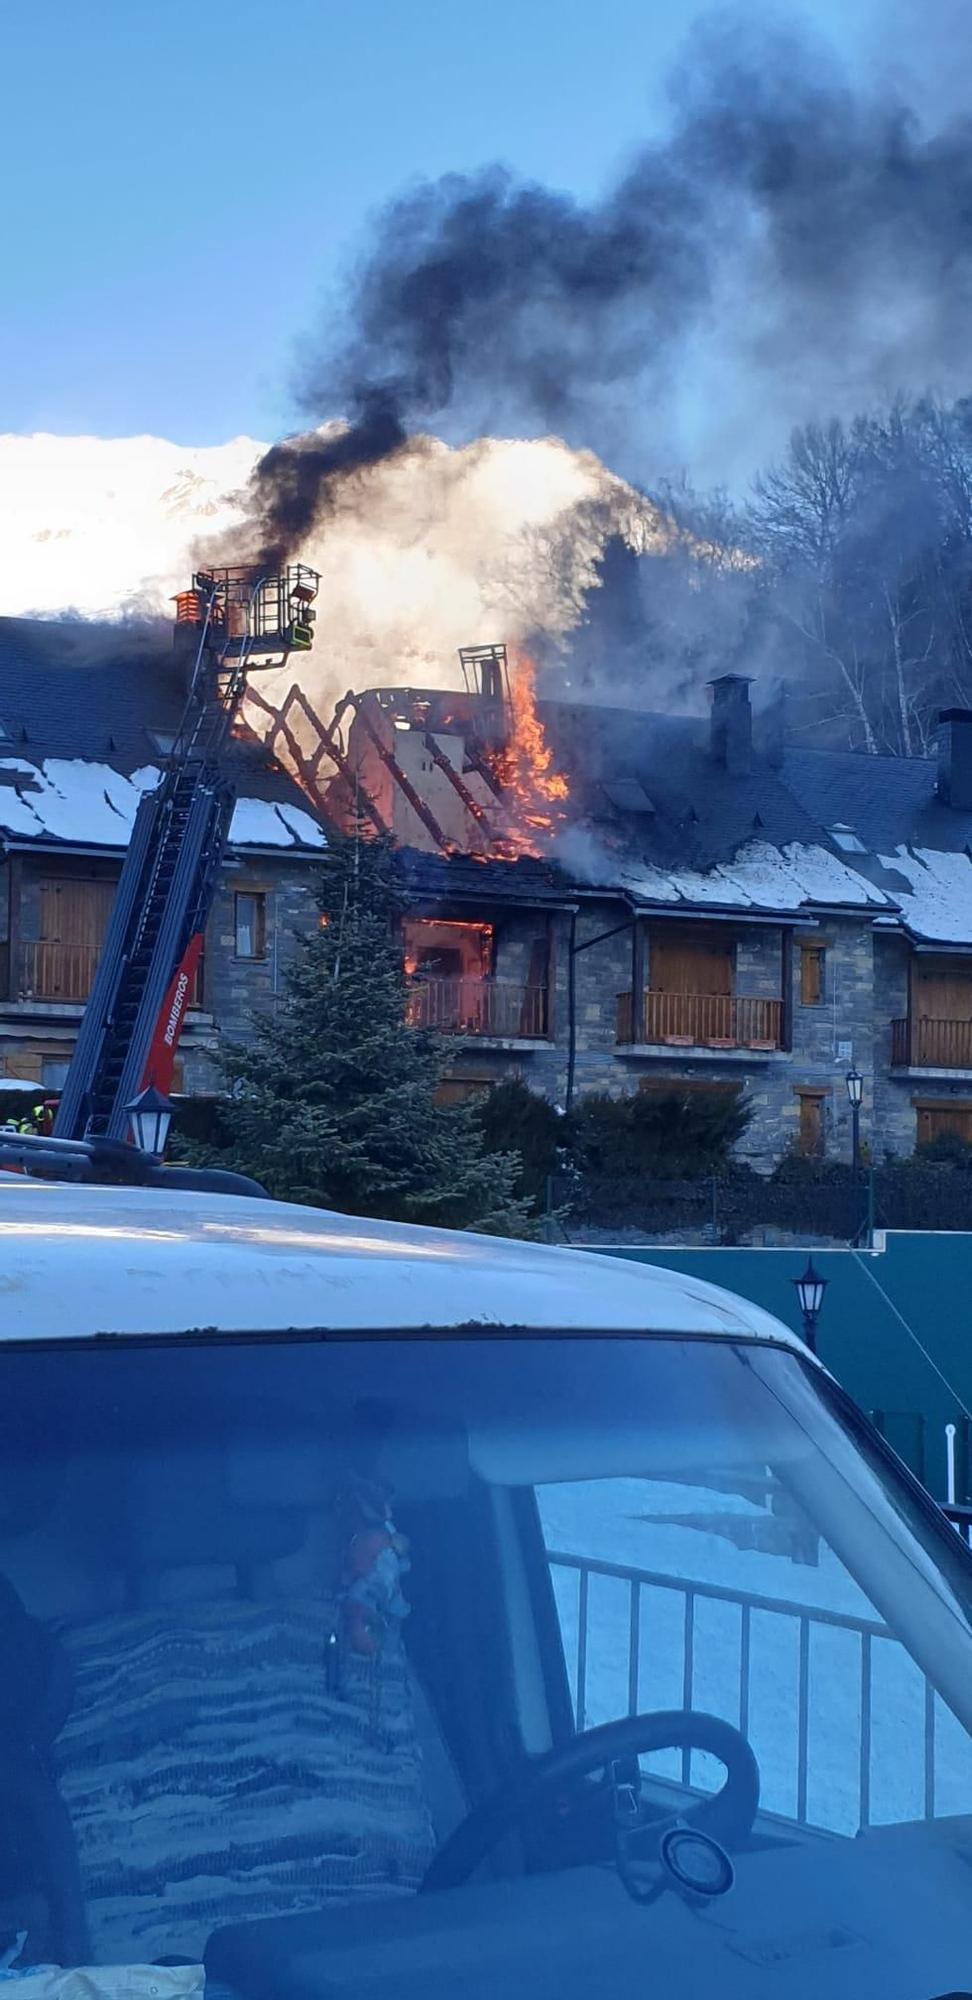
914, 1367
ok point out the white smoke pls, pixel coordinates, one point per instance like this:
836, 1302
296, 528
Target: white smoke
434, 549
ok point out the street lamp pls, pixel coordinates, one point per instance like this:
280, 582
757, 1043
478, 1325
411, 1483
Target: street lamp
855, 1093
810, 1290
150, 1115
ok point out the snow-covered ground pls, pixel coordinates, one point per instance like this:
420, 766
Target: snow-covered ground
605, 1521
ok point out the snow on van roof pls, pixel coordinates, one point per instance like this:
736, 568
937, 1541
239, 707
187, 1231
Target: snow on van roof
79, 1262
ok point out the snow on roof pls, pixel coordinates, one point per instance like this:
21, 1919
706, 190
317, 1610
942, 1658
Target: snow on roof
76, 803
939, 906
93, 805
302, 826
760, 877
260, 823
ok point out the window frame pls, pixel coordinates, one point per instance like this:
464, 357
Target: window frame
813, 954
258, 897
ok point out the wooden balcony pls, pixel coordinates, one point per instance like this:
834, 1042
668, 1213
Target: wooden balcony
700, 1020
39, 970
501, 1008
931, 1044
54, 971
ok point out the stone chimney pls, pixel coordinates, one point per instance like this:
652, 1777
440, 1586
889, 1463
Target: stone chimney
731, 728
955, 758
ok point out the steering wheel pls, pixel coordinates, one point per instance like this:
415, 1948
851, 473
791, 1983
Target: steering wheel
726, 1817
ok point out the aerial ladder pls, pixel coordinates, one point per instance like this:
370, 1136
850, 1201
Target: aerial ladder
232, 621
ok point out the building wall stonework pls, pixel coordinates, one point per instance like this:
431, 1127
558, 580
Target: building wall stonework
37, 1038
864, 984
237, 990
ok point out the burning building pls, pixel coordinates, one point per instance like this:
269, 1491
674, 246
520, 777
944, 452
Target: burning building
597, 898
609, 899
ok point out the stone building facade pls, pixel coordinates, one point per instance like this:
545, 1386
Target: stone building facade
712, 908
774, 925
82, 728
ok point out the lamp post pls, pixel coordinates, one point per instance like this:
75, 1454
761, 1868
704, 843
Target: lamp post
810, 1289
855, 1094
150, 1115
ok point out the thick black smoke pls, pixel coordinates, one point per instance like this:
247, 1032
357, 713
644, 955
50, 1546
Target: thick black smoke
803, 235
291, 481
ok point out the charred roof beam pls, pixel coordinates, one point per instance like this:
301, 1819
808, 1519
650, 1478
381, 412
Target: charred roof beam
449, 771
404, 783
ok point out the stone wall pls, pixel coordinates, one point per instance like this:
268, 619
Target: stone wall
37, 1037
237, 990
895, 1125
847, 1025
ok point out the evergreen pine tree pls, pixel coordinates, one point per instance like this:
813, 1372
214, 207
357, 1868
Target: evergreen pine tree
334, 1101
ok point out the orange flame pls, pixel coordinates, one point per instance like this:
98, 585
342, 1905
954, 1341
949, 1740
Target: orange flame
534, 791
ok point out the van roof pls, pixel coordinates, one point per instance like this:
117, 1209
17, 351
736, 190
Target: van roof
81, 1261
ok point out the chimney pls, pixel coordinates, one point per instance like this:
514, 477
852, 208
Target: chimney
955, 758
731, 729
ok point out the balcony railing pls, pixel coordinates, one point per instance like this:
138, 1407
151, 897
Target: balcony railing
591, 1600
706, 1020
54, 971
499, 1007
931, 1044
39, 970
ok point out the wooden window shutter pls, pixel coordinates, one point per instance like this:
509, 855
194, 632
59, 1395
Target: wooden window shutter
943, 992
812, 961
685, 966
811, 1130
935, 1120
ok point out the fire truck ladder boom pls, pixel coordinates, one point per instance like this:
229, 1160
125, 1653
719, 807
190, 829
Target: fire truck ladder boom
147, 963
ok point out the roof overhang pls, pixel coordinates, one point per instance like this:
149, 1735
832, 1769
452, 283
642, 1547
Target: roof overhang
14, 844
937, 948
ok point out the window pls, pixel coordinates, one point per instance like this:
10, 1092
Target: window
250, 924
459, 1089
935, 1120
811, 1134
846, 839
813, 960
637, 1527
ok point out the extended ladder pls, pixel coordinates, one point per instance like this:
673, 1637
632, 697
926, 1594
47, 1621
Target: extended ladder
148, 963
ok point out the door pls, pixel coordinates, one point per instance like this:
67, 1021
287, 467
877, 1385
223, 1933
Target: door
690, 989
73, 920
942, 1012
937, 1120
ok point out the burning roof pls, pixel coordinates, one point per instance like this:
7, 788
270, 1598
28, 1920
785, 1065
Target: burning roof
466, 771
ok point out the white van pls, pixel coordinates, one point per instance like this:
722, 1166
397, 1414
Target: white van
399, 1615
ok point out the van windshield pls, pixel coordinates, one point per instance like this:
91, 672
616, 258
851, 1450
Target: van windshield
473, 1666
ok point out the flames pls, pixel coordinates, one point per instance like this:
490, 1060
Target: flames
533, 791
517, 812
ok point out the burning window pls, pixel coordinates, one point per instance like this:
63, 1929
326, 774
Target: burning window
437, 949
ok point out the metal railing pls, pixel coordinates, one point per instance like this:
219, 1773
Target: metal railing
708, 1020
500, 1007
931, 1044
961, 1519
748, 1603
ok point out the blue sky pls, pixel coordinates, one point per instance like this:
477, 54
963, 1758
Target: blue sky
183, 183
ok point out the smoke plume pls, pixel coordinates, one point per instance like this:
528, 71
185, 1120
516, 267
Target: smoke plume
792, 245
